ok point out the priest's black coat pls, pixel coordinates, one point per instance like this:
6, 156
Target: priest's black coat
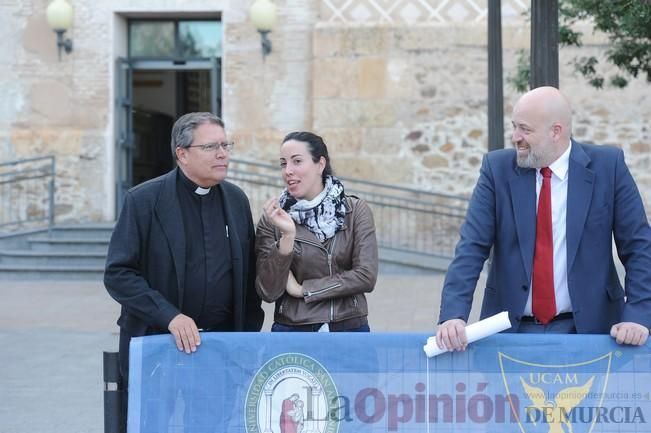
145, 266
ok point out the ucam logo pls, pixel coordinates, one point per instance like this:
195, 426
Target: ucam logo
291, 393
564, 398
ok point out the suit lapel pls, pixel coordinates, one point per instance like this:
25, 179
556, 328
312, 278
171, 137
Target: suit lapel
233, 221
580, 183
523, 203
169, 216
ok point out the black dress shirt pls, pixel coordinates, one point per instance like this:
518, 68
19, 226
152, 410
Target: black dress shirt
208, 295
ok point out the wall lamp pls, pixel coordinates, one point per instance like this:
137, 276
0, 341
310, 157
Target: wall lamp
59, 17
263, 17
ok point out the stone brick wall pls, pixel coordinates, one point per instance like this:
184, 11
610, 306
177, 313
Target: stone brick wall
616, 117
65, 108
397, 88
264, 99
408, 105
57, 108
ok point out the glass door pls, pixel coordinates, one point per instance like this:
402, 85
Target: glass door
174, 67
124, 129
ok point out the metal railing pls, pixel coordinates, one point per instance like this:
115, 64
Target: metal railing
27, 193
407, 219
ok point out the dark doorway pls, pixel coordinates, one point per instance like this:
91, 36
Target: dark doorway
174, 67
159, 98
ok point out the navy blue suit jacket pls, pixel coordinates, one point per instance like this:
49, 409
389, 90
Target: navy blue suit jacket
602, 203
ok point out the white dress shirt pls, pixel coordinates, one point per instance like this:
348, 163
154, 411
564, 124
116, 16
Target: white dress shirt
559, 170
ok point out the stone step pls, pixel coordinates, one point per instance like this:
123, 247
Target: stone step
60, 258
79, 251
80, 231
398, 261
53, 272
69, 244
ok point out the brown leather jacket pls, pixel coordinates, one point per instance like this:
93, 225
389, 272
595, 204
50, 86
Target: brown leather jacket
335, 274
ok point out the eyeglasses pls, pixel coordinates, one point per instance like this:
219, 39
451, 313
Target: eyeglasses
213, 147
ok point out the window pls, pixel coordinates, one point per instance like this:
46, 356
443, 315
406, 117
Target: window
164, 39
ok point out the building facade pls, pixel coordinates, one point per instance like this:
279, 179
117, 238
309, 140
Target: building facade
398, 88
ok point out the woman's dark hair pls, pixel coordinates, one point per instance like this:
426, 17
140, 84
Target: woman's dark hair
316, 146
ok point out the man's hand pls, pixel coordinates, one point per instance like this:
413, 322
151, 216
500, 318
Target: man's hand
629, 333
451, 335
185, 333
293, 288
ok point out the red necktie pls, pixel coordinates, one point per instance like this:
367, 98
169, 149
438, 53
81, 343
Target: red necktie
544, 300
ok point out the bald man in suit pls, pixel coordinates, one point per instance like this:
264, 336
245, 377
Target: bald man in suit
594, 200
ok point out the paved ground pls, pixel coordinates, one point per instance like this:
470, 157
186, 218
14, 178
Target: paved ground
53, 334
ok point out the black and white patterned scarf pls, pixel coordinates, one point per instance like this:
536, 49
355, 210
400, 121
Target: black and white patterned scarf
324, 214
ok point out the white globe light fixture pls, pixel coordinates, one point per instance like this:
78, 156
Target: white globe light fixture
59, 17
263, 16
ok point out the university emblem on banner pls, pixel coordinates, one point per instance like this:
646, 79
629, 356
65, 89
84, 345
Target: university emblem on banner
291, 393
564, 398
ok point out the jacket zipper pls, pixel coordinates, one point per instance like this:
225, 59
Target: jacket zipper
332, 301
334, 286
329, 257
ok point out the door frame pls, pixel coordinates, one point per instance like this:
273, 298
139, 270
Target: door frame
124, 142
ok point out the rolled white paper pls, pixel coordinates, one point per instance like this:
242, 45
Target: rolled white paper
478, 330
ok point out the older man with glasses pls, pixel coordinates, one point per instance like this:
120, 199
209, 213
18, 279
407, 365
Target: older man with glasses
181, 257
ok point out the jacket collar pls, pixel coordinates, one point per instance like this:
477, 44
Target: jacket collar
523, 203
168, 213
303, 233
232, 221
579, 197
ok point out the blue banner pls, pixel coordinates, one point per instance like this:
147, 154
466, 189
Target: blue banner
356, 382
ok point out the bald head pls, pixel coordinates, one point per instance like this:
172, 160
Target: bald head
542, 122
551, 105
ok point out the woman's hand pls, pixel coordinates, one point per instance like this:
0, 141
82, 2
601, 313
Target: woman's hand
293, 288
279, 217
284, 223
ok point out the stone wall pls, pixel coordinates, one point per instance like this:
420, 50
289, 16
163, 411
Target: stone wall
408, 105
57, 108
615, 117
397, 87
266, 98
65, 108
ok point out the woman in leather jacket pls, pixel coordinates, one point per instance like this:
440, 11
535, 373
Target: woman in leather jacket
316, 246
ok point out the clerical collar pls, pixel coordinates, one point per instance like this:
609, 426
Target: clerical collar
191, 185
201, 191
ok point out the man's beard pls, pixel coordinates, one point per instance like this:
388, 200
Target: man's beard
532, 160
